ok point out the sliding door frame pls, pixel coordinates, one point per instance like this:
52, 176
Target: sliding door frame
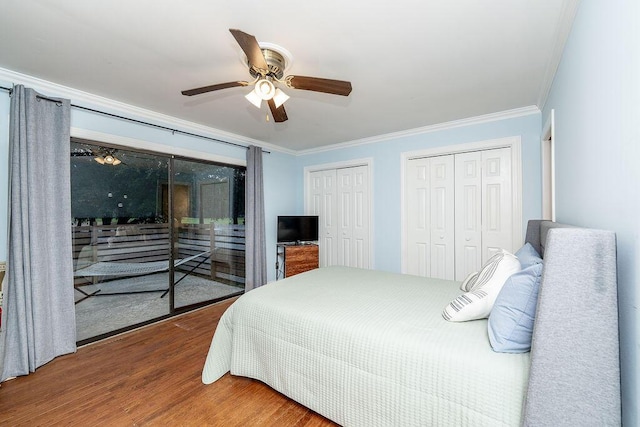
171, 154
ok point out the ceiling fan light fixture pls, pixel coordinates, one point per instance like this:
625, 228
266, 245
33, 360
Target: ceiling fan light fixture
107, 159
267, 63
253, 98
280, 98
265, 89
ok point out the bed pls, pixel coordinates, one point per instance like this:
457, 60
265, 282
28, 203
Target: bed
368, 348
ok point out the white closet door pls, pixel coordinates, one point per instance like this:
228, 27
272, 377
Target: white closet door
418, 217
340, 197
430, 217
322, 195
497, 215
468, 213
458, 212
345, 216
361, 234
353, 216
442, 249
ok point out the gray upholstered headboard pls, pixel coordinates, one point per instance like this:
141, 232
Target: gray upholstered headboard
575, 369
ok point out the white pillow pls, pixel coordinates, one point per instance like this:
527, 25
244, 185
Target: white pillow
478, 302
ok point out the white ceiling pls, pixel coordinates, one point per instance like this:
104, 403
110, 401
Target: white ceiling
412, 63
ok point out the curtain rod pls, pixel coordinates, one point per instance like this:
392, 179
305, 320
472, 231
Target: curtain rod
174, 131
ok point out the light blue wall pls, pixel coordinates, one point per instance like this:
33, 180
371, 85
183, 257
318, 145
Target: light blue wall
596, 98
280, 198
387, 174
279, 168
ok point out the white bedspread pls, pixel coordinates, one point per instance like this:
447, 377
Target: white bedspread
367, 348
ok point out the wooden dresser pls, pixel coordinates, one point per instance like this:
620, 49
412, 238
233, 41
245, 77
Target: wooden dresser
299, 258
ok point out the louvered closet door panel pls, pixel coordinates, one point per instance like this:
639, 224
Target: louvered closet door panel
353, 216
345, 216
341, 199
315, 193
360, 221
497, 216
418, 217
322, 193
468, 210
442, 251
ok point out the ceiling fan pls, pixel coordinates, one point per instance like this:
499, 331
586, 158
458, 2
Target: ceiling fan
266, 66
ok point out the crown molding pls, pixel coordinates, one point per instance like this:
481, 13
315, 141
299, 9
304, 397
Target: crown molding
90, 100
86, 99
486, 118
561, 36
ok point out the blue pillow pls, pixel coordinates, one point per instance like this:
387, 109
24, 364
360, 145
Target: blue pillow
527, 255
511, 320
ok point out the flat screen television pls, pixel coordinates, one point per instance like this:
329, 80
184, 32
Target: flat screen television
297, 229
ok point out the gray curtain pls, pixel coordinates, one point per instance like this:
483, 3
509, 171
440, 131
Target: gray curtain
38, 316
256, 258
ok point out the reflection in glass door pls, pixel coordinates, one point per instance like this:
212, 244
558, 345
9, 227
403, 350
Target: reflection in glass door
148, 236
208, 229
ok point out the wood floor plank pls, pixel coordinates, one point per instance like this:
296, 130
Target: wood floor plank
148, 377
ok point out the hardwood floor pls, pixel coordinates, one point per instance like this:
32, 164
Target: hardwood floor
147, 377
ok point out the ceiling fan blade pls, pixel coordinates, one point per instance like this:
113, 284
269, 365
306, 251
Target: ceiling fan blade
205, 89
251, 48
334, 87
279, 115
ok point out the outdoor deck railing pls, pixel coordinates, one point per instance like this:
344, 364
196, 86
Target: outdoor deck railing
151, 242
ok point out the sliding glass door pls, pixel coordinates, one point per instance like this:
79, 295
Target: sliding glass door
152, 236
208, 219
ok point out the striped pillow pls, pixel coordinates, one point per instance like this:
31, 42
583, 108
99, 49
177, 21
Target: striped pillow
469, 281
478, 301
